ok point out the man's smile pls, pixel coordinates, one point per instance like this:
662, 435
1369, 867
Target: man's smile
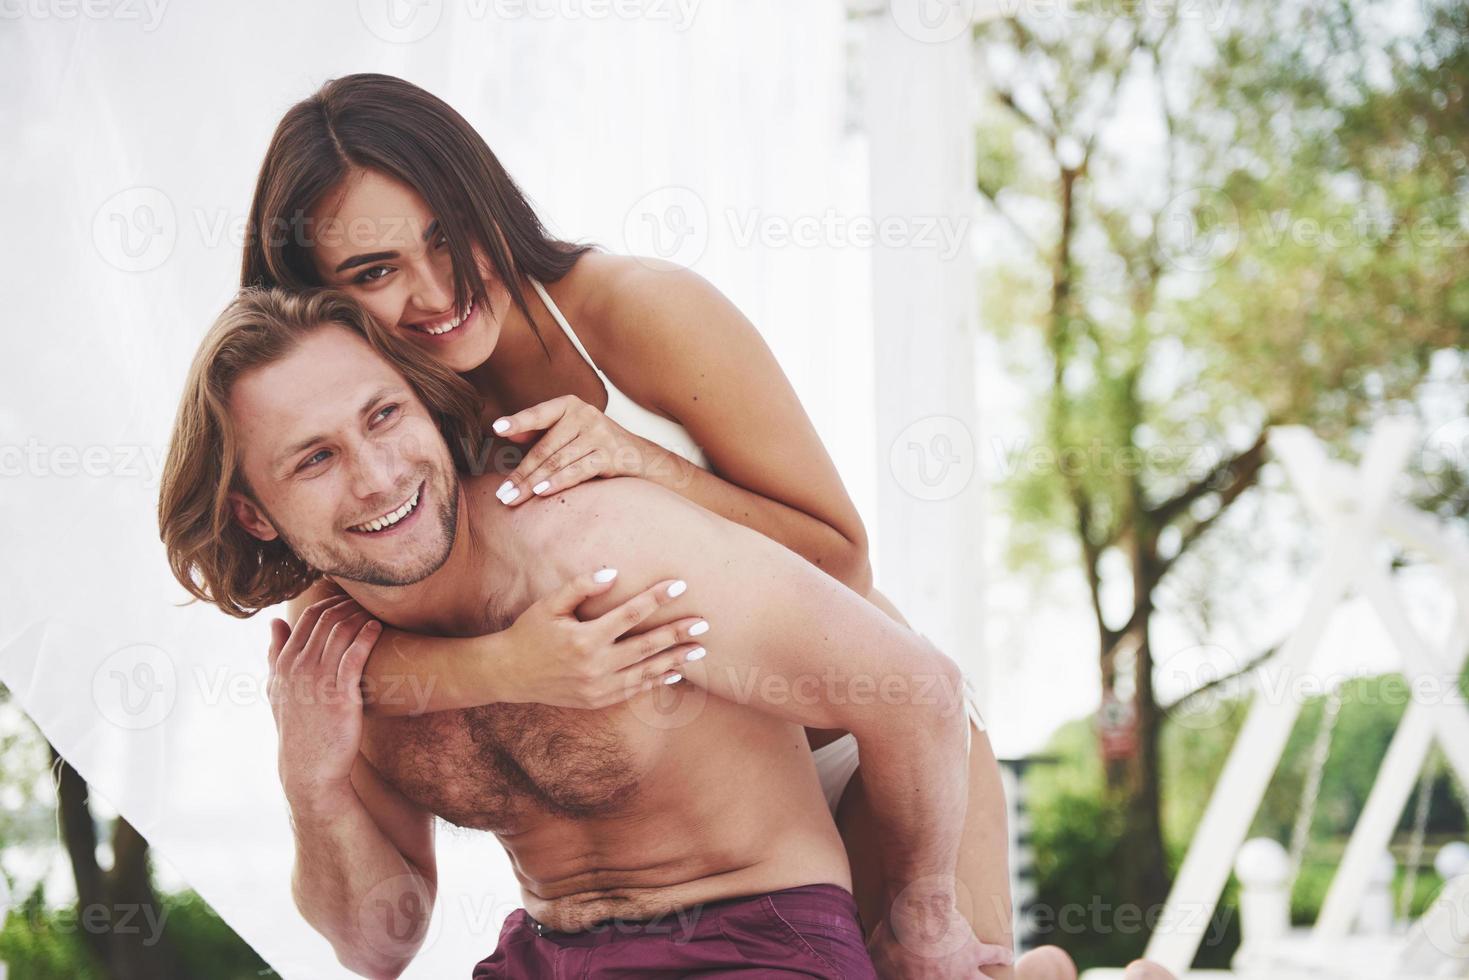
394, 520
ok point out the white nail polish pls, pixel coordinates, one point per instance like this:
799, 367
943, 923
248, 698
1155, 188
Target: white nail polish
677, 589
507, 492
541, 487
697, 653
673, 678
604, 575
501, 425
699, 628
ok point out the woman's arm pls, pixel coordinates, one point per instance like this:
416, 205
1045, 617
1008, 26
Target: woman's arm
674, 343
547, 656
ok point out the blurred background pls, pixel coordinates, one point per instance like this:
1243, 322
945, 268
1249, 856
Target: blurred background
1049, 276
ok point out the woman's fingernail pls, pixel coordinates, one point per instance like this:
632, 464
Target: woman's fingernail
699, 628
677, 589
697, 653
673, 678
604, 575
541, 487
507, 492
501, 425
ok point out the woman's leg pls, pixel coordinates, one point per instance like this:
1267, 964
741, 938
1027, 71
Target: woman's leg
983, 886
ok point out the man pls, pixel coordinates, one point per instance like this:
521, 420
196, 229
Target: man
309, 444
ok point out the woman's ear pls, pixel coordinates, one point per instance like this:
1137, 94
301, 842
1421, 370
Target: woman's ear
249, 516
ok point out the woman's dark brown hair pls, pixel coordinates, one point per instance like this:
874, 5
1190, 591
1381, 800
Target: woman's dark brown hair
382, 123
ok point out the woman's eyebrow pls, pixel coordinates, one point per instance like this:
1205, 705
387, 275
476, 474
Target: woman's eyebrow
364, 259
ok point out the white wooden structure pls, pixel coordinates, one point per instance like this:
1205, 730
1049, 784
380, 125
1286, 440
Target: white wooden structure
1354, 509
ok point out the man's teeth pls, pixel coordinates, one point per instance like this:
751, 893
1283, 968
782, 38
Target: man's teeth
388, 520
443, 328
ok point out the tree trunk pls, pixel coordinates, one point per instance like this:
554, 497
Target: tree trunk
1132, 780
119, 916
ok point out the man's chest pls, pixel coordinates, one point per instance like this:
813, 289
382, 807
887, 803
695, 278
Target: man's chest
498, 766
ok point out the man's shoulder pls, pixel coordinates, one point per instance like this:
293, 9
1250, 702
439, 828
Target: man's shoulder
607, 512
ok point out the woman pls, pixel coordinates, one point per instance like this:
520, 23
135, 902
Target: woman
378, 188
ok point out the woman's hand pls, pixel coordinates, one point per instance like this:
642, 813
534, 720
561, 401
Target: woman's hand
560, 660
577, 443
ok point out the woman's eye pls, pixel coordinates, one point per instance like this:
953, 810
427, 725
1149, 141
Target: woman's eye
443, 241
372, 274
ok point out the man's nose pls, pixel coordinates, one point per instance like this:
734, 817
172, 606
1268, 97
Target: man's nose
375, 469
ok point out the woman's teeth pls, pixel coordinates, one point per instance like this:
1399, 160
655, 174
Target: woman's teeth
388, 520
439, 329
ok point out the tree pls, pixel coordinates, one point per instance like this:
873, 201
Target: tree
1208, 220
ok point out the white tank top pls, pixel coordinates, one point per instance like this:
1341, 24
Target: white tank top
622, 409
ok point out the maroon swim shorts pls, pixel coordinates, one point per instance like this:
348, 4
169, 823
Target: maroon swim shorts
810, 931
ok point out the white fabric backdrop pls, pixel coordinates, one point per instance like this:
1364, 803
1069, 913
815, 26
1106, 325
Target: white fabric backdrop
133, 133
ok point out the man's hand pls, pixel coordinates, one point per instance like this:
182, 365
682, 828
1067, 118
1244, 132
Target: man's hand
926, 938
316, 697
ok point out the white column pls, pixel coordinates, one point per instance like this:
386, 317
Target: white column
917, 96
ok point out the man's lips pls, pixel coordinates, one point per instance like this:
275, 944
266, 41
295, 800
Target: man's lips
394, 520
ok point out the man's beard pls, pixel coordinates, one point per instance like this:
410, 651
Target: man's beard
339, 563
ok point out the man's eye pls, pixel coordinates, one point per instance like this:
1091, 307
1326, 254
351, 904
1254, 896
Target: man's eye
319, 456
387, 411
372, 273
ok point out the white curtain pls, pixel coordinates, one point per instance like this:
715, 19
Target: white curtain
133, 131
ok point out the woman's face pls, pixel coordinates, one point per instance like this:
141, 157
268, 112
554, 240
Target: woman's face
376, 239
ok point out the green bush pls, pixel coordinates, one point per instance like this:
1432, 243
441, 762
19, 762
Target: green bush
40, 943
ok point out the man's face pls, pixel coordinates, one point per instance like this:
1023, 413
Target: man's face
344, 462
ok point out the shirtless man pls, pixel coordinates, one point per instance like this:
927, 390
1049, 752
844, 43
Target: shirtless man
304, 448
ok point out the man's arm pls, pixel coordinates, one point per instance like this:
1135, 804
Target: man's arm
798, 644
365, 874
